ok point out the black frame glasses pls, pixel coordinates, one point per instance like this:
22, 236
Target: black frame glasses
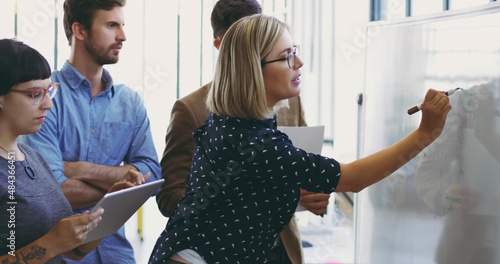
38, 94
290, 58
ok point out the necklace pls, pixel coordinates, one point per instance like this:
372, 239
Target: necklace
11, 152
5, 150
27, 168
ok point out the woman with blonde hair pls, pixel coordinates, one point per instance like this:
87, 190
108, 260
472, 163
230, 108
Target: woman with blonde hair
246, 175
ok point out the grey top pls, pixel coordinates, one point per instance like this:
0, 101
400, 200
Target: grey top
33, 204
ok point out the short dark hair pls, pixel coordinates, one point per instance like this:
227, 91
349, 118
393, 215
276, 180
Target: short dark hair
83, 12
226, 12
20, 63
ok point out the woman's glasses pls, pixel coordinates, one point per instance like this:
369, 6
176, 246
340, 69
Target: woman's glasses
290, 58
38, 93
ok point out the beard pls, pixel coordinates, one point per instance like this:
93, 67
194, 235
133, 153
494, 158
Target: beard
101, 55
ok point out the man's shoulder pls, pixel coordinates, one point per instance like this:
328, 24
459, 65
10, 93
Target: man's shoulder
125, 92
56, 75
196, 99
124, 88
295, 102
197, 96
67, 73
293, 115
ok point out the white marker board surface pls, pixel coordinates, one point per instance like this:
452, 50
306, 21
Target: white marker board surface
444, 205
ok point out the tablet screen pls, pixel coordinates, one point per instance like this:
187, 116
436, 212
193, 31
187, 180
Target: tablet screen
119, 206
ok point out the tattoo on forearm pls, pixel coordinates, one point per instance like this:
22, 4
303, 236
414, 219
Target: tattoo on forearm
37, 252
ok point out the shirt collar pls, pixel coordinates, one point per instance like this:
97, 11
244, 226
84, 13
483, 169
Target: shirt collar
75, 79
271, 122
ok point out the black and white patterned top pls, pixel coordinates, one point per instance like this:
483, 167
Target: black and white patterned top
242, 190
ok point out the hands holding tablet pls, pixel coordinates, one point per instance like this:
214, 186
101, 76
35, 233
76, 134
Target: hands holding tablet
131, 179
70, 232
78, 226
120, 204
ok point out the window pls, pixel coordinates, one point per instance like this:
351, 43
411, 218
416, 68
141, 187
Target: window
394, 9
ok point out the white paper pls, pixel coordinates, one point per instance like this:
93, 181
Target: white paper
310, 139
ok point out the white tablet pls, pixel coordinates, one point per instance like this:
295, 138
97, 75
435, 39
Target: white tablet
119, 206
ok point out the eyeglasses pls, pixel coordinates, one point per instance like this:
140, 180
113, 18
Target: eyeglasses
290, 58
38, 94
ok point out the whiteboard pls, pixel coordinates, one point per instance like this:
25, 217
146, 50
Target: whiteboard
444, 205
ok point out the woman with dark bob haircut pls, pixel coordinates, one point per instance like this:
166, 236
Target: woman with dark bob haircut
246, 175
36, 220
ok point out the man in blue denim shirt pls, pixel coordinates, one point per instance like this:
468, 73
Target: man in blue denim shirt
97, 130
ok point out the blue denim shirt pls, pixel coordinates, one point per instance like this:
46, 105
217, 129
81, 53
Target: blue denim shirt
108, 129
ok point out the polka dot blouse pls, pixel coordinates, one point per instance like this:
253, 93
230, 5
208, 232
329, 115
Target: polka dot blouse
242, 190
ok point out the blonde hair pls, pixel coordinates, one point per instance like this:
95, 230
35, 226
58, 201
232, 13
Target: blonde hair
238, 87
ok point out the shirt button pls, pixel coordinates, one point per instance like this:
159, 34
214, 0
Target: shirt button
93, 132
99, 247
85, 83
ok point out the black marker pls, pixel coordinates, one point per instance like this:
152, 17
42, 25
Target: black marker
417, 108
